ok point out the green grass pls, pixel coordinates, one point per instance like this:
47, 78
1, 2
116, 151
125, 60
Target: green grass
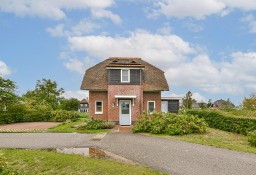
31, 162
69, 127
220, 139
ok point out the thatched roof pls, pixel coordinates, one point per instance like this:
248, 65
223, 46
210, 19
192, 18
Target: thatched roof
95, 78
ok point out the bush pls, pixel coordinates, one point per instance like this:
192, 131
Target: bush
63, 115
108, 125
252, 138
94, 124
171, 124
226, 122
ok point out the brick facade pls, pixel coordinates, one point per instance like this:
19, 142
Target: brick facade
98, 96
152, 96
136, 104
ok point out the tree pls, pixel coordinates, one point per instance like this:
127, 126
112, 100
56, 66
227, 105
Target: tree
71, 104
250, 103
46, 90
202, 105
187, 100
209, 104
7, 93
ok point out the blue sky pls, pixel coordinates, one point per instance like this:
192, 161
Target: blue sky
207, 47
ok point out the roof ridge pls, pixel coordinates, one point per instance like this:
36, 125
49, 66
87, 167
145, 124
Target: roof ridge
130, 58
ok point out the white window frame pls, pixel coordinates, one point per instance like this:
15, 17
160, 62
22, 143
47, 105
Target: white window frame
154, 106
122, 81
98, 112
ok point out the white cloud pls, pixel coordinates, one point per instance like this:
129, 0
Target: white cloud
4, 69
74, 64
75, 94
170, 49
234, 77
55, 9
199, 9
83, 27
101, 13
198, 97
251, 21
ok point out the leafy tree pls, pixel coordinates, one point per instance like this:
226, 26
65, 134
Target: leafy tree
71, 104
202, 105
45, 90
209, 104
7, 93
250, 103
187, 100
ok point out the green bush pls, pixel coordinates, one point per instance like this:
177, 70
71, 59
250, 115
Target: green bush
226, 122
108, 125
171, 124
252, 138
94, 124
63, 115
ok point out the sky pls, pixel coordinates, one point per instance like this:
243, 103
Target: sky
206, 47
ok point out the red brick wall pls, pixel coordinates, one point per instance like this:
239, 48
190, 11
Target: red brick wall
152, 96
98, 96
137, 90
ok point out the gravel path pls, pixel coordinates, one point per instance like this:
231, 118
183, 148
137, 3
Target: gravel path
178, 157
45, 140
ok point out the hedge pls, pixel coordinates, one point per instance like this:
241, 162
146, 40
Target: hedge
171, 124
226, 122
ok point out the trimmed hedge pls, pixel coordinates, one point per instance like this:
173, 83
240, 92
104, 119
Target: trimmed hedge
230, 123
33, 115
171, 124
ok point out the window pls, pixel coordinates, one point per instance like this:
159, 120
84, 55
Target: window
125, 76
151, 106
98, 107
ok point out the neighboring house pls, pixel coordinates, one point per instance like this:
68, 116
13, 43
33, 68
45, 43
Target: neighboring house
171, 104
222, 104
195, 105
84, 105
121, 88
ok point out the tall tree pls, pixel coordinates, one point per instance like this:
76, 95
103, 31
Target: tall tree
187, 100
71, 104
46, 90
7, 93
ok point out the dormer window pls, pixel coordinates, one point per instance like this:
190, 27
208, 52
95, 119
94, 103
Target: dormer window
125, 75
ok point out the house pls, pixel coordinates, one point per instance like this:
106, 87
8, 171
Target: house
84, 105
121, 88
195, 105
171, 104
222, 104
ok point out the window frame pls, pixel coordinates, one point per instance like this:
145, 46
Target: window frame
98, 112
128, 81
148, 106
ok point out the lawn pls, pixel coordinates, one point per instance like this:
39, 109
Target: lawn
41, 162
220, 139
69, 127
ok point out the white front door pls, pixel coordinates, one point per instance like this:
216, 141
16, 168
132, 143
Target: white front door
164, 106
125, 112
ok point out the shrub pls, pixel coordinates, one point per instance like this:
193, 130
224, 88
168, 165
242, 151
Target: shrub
252, 138
226, 122
94, 124
63, 115
108, 125
171, 124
